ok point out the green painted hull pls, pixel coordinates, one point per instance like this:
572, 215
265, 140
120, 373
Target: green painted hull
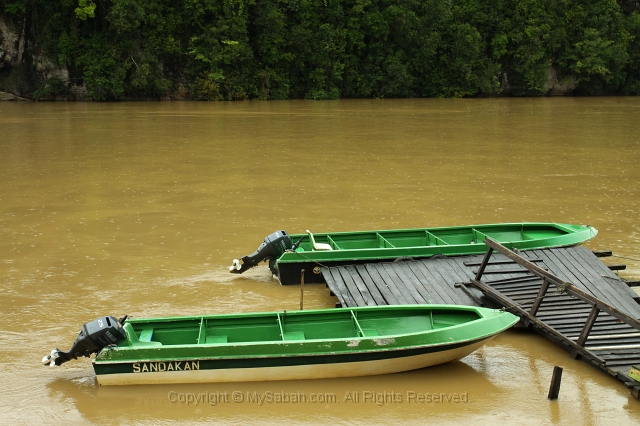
388, 245
296, 345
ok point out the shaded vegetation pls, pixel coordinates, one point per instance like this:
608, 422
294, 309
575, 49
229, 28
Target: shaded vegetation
325, 49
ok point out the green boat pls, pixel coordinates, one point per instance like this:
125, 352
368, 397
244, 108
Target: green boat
312, 251
313, 344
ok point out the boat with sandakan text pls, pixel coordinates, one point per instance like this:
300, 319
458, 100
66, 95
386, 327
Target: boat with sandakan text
287, 345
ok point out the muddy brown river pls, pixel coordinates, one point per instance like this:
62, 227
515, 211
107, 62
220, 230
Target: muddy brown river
139, 209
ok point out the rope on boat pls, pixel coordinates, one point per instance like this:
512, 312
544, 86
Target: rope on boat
616, 278
626, 257
562, 287
308, 258
602, 246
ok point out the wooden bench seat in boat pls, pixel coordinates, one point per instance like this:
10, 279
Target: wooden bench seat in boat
146, 333
216, 339
293, 335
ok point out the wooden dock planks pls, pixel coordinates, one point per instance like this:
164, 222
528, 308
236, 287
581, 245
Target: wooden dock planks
434, 280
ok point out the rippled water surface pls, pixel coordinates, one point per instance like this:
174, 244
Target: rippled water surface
139, 208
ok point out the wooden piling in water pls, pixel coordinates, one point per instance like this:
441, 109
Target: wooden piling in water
556, 378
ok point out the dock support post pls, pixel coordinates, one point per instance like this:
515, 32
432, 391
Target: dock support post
554, 389
538, 301
582, 339
302, 290
484, 263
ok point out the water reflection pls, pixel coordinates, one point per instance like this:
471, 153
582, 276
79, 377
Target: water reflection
319, 401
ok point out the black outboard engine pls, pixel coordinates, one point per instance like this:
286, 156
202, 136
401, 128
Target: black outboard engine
271, 249
94, 336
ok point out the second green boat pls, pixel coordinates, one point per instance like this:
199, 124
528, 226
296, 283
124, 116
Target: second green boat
289, 254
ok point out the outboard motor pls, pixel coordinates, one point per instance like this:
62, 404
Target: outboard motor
94, 336
271, 249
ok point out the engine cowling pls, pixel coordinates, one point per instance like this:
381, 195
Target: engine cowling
273, 246
93, 337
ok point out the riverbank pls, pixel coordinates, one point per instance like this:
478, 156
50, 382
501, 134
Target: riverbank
4, 96
317, 50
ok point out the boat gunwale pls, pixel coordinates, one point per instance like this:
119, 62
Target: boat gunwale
308, 312
461, 343
565, 227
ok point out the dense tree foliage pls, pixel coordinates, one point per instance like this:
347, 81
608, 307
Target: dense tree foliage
323, 49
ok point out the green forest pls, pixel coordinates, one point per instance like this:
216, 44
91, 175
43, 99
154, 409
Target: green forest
328, 49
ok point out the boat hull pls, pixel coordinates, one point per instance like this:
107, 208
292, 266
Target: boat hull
296, 345
352, 248
308, 370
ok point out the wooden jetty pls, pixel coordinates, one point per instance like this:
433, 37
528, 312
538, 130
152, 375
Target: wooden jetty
566, 294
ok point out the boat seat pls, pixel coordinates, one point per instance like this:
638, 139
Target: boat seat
133, 338
293, 335
146, 335
318, 246
369, 333
216, 339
